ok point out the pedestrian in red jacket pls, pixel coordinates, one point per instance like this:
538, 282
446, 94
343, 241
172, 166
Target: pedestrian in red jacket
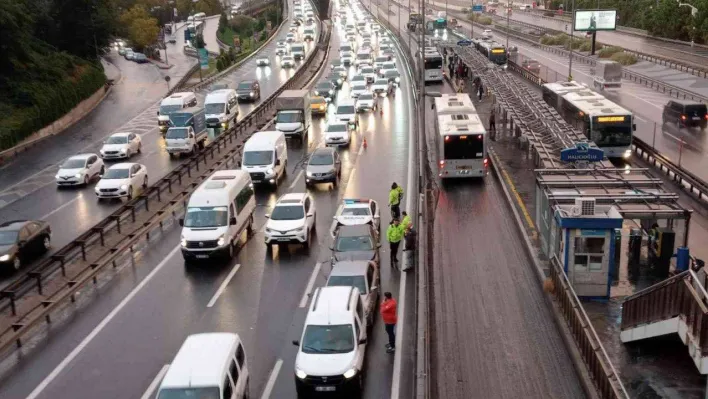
388, 314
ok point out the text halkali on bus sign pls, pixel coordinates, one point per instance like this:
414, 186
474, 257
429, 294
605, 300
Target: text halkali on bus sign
582, 152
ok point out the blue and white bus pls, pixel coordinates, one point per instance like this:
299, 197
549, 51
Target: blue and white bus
461, 143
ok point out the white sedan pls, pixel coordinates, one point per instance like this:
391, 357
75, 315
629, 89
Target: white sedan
365, 102
122, 180
369, 74
287, 62
337, 133
262, 61
358, 89
381, 86
121, 145
79, 170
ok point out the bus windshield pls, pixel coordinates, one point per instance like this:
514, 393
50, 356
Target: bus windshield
464, 147
615, 134
433, 62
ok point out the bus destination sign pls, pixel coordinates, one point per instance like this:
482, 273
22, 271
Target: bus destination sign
582, 152
610, 119
498, 51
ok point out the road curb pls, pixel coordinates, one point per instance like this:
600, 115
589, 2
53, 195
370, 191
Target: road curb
22, 147
579, 364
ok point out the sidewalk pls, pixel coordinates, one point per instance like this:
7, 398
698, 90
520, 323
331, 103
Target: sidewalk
112, 72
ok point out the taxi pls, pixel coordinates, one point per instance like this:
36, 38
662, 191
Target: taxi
318, 105
356, 211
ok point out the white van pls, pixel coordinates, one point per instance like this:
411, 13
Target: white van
209, 365
265, 157
175, 102
221, 108
217, 213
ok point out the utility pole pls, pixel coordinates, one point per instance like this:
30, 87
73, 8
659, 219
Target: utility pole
508, 21
572, 29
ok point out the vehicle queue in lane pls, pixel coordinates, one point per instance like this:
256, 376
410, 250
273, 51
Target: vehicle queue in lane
73, 209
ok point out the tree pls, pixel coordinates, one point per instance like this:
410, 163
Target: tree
140, 28
80, 27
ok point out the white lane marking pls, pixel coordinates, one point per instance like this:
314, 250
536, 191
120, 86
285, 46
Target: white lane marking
153, 385
223, 285
310, 285
297, 179
271, 380
83, 344
44, 217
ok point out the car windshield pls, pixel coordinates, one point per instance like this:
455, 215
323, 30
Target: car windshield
208, 216
367, 70
358, 87
323, 86
348, 281
355, 212
366, 96
288, 117
346, 109
358, 78
288, 212
318, 100
347, 244
336, 128
117, 140
392, 74
116, 173
73, 164
214, 108
244, 86
8, 237
168, 109
190, 393
257, 158
177, 133
336, 63
363, 56
381, 82
321, 159
338, 338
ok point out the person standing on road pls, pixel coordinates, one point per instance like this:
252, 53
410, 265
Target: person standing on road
409, 246
493, 125
480, 91
406, 221
394, 200
394, 234
388, 314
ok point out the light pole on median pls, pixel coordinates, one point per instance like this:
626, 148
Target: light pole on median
508, 18
572, 29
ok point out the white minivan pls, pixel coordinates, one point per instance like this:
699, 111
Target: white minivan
217, 213
175, 102
221, 107
208, 365
265, 157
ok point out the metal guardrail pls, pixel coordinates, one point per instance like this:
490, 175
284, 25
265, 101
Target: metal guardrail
106, 242
599, 365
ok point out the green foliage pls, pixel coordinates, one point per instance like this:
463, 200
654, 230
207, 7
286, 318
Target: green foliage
185, 8
198, 41
624, 58
223, 22
609, 51
480, 19
139, 27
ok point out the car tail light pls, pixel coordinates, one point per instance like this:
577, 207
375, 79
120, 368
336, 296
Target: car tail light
706, 116
442, 164
683, 117
486, 162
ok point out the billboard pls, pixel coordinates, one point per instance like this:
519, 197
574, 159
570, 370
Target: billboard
594, 20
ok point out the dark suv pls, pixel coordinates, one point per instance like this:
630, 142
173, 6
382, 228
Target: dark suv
685, 113
248, 90
21, 240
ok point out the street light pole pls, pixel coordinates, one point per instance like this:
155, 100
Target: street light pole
508, 20
572, 29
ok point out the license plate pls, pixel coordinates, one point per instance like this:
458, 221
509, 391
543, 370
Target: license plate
202, 256
283, 239
463, 167
325, 389
696, 118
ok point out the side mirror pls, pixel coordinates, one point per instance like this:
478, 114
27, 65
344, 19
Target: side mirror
267, 215
377, 217
362, 341
181, 222
634, 126
158, 113
228, 111
232, 221
296, 342
238, 164
22, 243
378, 245
191, 135
374, 288
277, 162
309, 215
331, 247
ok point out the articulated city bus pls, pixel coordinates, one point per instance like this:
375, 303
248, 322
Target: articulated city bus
433, 67
461, 142
607, 124
495, 52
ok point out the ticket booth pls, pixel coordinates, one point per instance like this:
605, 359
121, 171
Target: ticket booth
587, 246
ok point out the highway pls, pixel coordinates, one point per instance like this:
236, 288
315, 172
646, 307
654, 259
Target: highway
493, 333
76, 209
686, 147
124, 335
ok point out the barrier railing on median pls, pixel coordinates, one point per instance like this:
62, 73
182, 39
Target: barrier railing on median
110, 239
600, 367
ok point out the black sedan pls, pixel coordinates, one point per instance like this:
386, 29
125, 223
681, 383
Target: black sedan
21, 240
248, 90
336, 80
356, 242
326, 89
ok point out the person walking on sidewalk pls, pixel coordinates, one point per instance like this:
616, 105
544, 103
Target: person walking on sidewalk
493, 125
394, 234
480, 91
394, 200
388, 314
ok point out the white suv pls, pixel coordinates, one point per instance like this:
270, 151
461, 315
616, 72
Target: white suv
332, 348
291, 221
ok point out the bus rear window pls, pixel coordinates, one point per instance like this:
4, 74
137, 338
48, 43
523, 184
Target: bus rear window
433, 63
464, 147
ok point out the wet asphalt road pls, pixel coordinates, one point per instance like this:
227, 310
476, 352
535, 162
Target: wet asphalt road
75, 210
261, 303
494, 335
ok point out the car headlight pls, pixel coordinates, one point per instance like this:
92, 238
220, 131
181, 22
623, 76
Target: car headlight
332, 171
57, 177
299, 229
5, 258
78, 175
317, 93
350, 373
270, 171
252, 94
101, 151
398, 80
268, 231
300, 374
124, 187
339, 81
627, 153
309, 174
123, 150
331, 92
183, 242
221, 241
